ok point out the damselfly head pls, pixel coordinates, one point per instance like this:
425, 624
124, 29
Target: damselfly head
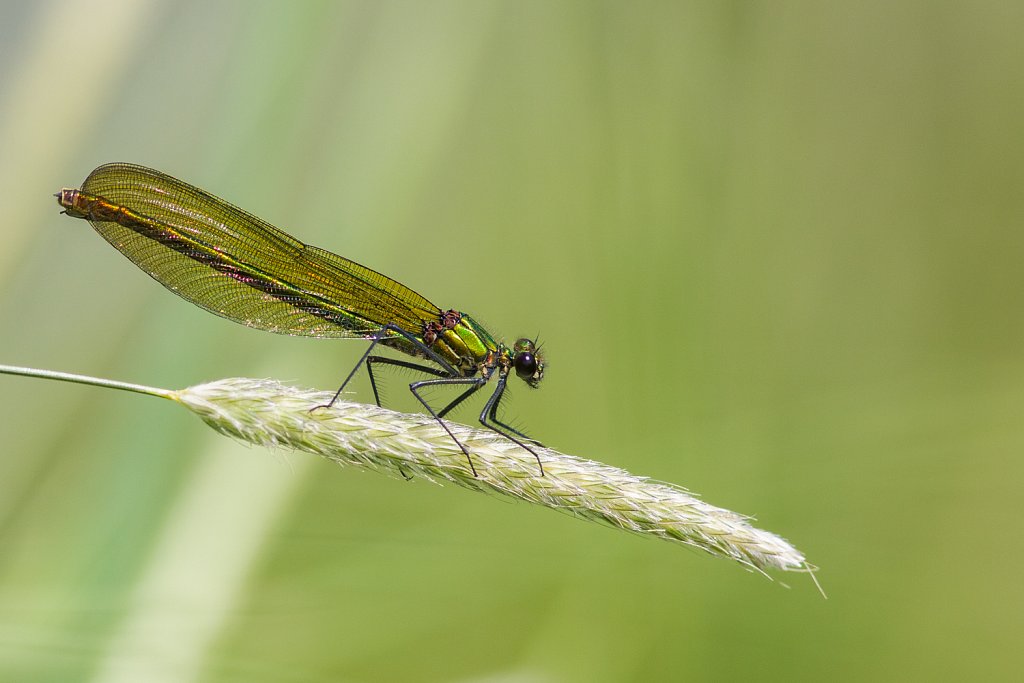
527, 361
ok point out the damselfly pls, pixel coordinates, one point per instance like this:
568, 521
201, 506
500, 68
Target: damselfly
240, 267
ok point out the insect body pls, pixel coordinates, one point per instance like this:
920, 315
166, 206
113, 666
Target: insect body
240, 267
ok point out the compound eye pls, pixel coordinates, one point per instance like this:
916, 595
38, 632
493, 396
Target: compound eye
525, 364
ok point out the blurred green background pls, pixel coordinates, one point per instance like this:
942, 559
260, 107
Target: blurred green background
774, 252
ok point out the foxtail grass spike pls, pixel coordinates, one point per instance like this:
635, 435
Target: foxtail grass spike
268, 413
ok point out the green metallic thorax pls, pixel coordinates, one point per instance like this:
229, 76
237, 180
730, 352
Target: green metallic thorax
468, 347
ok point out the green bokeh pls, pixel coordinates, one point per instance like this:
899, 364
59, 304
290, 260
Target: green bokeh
773, 250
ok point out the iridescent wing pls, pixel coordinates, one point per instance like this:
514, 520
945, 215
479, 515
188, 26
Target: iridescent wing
238, 266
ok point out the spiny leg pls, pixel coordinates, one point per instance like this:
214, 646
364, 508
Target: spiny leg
493, 416
460, 398
449, 381
509, 428
370, 360
490, 412
476, 383
383, 360
378, 337
445, 379
488, 416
